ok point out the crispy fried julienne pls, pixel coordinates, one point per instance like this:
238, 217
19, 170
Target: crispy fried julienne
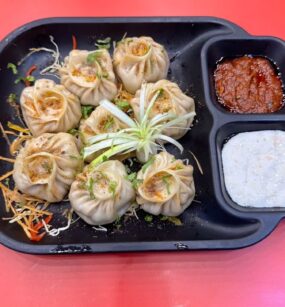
28, 212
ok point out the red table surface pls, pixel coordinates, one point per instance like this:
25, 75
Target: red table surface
253, 276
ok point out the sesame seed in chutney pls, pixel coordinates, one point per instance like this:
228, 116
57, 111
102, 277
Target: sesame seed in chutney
248, 84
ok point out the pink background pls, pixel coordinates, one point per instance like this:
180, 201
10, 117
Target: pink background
254, 276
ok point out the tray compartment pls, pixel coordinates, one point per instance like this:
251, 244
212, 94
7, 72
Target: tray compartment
231, 47
222, 136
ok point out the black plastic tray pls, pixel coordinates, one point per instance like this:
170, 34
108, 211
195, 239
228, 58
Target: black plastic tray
194, 45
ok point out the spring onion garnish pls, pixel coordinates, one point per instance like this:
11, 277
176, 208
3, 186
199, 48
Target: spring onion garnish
166, 182
103, 43
73, 131
122, 104
145, 136
93, 56
148, 163
86, 111
12, 98
112, 187
90, 184
172, 219
13, 67
148, 218
132, 177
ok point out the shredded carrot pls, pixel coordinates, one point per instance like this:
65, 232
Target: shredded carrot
31, 70
74, 42
29, 73
26, 212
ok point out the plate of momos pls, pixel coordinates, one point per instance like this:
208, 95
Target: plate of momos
65, 117
113, 135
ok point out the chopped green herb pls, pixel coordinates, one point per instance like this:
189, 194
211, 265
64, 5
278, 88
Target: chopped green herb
24, 79
13, 67
92, 57
7, 181
160, 92
122, 104
109, 123
133, 179
148, 218
178, 167
148, 163
113, 187
175, 220
166, 182
12, 98
104, 158
30, 79
136, 182
90, 185
132, 176
103, 43
172, 219
105, 74
73, 131
86, 111
18, 80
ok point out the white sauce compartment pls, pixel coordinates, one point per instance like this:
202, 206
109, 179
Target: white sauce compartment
254, 168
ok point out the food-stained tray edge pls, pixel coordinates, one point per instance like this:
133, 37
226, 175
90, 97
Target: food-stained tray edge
268, 222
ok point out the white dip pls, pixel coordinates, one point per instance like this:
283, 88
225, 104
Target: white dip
254, 168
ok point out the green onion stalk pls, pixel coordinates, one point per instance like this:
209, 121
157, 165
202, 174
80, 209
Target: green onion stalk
143, 136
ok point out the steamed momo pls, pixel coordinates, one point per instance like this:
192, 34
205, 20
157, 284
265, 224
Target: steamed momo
170, 100
89, 75
167, 186
101, 195
49, 107
46, 166
140, 59
100, 121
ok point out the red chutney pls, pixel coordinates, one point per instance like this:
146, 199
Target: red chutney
248, 85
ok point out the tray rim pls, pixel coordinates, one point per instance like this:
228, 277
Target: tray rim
33, 248
122, 19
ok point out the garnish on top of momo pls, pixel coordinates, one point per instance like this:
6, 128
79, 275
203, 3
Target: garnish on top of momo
171, 100
89, 75
143, 136
101, 195
140, 59
166, 185
47, 165
49, 107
